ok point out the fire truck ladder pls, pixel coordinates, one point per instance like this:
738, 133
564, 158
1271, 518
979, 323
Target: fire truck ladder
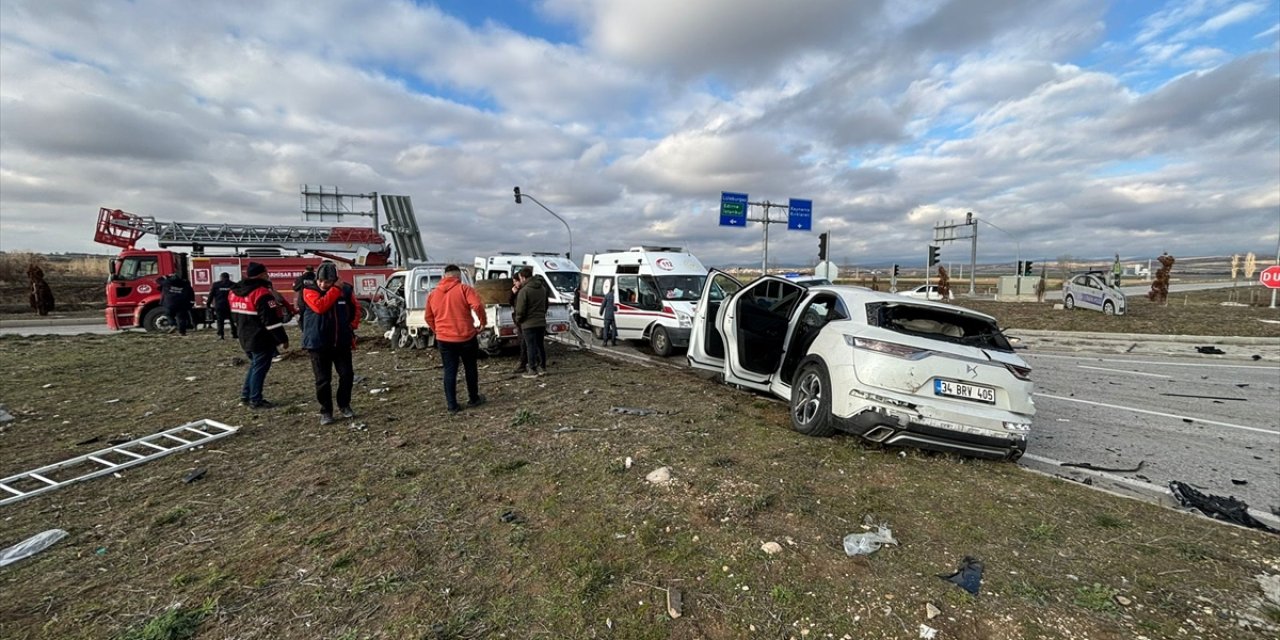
112, 459
122, 229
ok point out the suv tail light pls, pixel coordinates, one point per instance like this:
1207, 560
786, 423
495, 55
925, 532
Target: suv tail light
1021, 373
888, 348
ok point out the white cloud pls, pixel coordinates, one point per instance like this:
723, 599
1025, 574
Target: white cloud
890, 116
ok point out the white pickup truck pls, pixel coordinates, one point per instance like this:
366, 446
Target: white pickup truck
402, 303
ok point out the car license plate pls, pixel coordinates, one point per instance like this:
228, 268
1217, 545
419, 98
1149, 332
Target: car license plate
966, 391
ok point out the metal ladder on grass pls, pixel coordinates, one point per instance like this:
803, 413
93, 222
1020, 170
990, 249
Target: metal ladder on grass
112, 459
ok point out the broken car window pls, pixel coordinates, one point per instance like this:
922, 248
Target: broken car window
938, 324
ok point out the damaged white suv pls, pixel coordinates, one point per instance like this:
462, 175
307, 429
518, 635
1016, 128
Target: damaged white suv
893, 370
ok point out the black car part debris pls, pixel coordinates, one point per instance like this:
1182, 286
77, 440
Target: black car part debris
968, 576
1211, 350
1229, 509
1094, 467
1193, 395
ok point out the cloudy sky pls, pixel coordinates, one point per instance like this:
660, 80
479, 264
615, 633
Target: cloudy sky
1079, 127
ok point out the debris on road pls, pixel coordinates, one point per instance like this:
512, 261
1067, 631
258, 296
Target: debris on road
927, 632
968, 576
1211, 350
1094, 467
1229, 509
31, 546
1239, 482
5, 416
1193, 395
857, 544
194, 475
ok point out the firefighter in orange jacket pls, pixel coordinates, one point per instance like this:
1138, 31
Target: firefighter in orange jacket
330, 318
260, 329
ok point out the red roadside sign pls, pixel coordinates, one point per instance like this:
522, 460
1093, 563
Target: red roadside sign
1270, 276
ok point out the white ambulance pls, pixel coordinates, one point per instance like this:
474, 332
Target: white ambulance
655, 290
561, 273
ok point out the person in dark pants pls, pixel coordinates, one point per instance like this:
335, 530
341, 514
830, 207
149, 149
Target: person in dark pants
531, 315
221, 306
257, 315
449, 315
328, 332
608, 312
521, 366
178, 297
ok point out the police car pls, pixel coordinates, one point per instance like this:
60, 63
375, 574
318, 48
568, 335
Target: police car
1090, 291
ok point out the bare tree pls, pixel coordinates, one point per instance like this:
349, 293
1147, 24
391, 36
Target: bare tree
1235, 267
1040, 284
1250, 265
1160, 286
1064, 267
944, 283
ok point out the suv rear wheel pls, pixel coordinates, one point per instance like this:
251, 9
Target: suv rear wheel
811, 400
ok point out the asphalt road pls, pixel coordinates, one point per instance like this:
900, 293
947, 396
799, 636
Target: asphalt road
1204, 422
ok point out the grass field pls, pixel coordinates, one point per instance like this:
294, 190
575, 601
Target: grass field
521, 519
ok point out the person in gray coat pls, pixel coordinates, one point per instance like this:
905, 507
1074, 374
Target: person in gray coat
531, 314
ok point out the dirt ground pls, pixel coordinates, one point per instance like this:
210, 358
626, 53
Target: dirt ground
524, 519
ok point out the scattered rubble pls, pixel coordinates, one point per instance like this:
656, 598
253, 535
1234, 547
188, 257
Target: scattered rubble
1217, 507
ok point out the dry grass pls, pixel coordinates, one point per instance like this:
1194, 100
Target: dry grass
392, 527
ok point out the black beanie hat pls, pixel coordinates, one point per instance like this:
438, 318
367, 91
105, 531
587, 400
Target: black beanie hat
255, 269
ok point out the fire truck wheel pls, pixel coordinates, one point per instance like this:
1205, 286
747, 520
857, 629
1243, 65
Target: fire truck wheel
157, 321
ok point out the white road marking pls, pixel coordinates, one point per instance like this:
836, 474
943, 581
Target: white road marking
1165, 364
1133, 373
1158, 413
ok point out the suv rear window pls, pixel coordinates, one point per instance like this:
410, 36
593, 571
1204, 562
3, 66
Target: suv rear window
938, 324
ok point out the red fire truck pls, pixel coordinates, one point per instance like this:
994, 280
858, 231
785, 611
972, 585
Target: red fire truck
133, 294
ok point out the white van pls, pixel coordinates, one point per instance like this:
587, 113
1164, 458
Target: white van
561, 274
655, 289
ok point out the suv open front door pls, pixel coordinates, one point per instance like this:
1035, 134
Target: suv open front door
755, 323
706, 342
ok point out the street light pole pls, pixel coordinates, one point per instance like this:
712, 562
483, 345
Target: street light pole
519, 195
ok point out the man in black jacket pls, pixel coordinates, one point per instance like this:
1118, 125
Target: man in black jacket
329, 322
178, 297
261, 333
217, 300
531, 314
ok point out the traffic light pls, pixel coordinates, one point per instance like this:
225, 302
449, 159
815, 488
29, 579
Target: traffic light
895, 270
933, 255
517, 190
822, 246
1026, 268
1018, 269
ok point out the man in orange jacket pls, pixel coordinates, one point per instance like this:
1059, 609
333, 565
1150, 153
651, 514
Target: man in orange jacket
449, 315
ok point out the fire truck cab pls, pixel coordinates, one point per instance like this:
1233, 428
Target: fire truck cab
133, 289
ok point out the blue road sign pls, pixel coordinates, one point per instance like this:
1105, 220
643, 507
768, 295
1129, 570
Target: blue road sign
800, 215
733, 209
